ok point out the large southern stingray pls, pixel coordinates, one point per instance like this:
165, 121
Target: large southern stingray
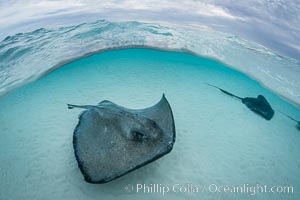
110, 141
259, 105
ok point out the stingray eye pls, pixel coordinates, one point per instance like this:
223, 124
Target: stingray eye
138, 136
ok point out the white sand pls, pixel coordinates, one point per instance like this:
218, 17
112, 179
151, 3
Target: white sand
219, 141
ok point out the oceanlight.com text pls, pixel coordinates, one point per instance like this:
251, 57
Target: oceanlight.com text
247, 189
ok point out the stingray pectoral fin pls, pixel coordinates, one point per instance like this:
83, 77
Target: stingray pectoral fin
269, 112
162, 114
105, 102
263, 99
259, 105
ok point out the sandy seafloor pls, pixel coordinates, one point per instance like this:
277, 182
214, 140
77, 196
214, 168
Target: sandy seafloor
219, 141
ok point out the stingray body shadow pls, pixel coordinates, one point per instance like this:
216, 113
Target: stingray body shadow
258, 105
110, 141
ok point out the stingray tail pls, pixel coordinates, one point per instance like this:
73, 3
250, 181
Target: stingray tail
289, 116
224, 91
71, 106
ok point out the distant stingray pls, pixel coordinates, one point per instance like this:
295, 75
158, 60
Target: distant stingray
298, 122
110, 141
259, 105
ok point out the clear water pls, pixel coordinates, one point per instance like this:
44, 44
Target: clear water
219, 141
24, 57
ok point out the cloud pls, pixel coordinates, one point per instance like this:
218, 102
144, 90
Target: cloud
18, 11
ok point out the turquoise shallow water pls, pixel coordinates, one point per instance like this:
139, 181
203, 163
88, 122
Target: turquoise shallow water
219, 141
27, 56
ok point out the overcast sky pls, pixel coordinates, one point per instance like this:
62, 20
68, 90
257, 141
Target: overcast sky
272, 23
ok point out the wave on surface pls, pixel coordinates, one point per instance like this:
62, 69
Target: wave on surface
25, 57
